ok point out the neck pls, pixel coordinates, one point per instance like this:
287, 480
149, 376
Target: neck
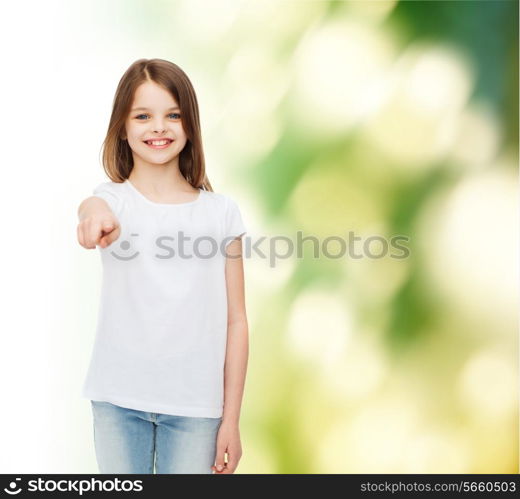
159, 179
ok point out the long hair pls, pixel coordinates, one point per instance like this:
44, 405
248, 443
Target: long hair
117, 156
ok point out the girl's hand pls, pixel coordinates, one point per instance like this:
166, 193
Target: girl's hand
100, 228
228, 441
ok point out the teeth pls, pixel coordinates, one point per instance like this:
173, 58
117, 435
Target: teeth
157, 142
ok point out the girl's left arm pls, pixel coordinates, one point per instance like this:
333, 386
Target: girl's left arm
237, 350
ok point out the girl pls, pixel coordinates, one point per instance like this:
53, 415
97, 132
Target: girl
168, 365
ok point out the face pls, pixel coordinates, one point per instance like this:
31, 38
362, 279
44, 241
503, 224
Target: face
154, 115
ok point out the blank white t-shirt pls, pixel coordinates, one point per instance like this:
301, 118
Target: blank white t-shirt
162, 325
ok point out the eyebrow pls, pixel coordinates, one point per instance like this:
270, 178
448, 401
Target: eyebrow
146, 109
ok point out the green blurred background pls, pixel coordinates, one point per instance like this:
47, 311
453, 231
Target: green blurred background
382, 118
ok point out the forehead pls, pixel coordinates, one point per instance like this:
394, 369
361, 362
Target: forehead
151, 95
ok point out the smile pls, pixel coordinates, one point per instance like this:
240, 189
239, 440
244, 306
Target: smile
158, 144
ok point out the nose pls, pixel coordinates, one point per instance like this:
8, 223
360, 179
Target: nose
158, 126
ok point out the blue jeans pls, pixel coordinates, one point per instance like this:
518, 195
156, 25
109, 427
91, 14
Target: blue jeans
128, 441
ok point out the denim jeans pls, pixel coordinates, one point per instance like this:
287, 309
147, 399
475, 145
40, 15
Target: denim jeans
132, 441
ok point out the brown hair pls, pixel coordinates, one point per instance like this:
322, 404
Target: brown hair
117, 155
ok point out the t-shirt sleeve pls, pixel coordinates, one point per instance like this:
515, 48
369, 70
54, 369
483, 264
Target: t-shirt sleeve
233, 222
106, 192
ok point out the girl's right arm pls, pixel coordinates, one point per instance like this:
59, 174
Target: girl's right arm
97, 223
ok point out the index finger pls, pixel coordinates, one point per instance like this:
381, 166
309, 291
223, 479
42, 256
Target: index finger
98, 229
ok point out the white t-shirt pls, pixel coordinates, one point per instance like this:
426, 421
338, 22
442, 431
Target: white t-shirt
162, 326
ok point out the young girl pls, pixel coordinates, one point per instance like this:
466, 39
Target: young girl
168, 366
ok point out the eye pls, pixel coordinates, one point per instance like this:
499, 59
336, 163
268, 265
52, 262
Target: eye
171, 114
